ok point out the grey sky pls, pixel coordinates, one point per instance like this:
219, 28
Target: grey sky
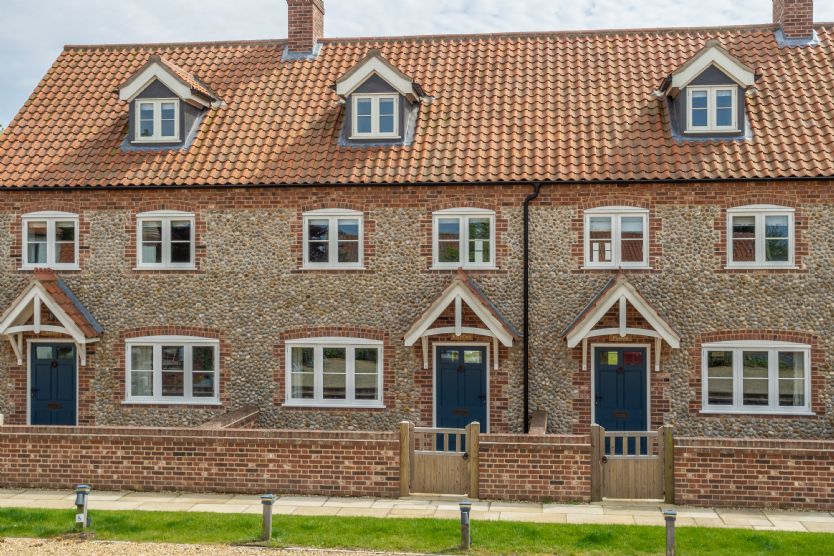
32, 32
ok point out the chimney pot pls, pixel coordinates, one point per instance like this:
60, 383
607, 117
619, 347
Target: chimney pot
795, 18
306, 25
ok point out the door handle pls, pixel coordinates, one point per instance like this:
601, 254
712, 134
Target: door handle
466, 456
604, 459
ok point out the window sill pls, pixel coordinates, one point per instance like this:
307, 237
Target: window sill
761, 267
361, 137
754, 413
32, 268
332, 267
463, 267
710, 131
172, 402
151, 268
374, 405
615, 267
165, 141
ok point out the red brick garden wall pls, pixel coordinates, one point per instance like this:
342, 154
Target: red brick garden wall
540, 468
754, 473
242, 461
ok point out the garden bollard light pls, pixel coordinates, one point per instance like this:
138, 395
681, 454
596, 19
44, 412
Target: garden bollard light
267, 500
82, 494
465, 533
670, 516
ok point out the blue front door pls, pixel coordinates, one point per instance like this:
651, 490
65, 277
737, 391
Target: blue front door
620, 388
53, 391
461, 386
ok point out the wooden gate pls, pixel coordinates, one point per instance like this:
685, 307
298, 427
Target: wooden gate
439, 461
632, 464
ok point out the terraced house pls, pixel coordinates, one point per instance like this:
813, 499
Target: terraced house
629, 228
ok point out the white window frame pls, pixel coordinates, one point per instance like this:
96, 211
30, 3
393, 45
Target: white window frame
156, 342
157, 136
737, 347
166, 216
712, 126
463, 215
318, 344
375, 133
616, 214
333, 216
759, 212
50, 218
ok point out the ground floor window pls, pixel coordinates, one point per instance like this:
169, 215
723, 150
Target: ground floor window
173, 369
334, 372
756, 376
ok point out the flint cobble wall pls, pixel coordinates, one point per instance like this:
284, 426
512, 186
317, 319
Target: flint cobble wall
540, 468
754, 473
249, 290
240, 461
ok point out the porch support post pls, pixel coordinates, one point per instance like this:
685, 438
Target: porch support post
473, 446
597, 448
495, 353
458, 316
584, 354
405, 458
657, 355
622, 317
82, 353
15, 341
425, 342
669, 464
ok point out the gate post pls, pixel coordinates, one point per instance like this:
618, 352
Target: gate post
669, 464
473, 447
405, 457
597, 449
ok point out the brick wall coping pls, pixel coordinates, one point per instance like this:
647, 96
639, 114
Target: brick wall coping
582, 440
196, 434
784, 445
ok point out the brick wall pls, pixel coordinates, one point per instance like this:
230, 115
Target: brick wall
541, 468
243, 461
795, 17
754, 473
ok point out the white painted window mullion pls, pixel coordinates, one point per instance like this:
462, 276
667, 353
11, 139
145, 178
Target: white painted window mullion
157, 371
318, 373
463, 238
350, 371
187, 368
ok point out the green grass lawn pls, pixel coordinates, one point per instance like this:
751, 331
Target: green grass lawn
411, 535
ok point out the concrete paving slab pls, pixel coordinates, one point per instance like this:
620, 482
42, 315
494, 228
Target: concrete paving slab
314, 510
406, 512
408, 504
364, 512
151, 496
113, 505
746, 521
573, 509
515, 507
220, 508
301, 501
817, 527
106, 495
349, 503
207, 498
244, 499
601, 519
474, 516
624, 510
821, 517
534, 517
6, 492
276, 510
51, 504
164, 506
18, 503
655, 520
782, 525
45, 495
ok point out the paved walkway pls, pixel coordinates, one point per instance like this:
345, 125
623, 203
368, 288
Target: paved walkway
621, 512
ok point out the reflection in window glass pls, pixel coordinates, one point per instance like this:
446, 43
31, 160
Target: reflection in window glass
334, 369
631, 238
720, 378
448, 238
146, 118
367, 370
699, 111
724, 108
348, 240
36, 242
744, 238
472, 356
791, 379
364, 118
302, 373
386, 115
755, 378
318, 240
777, 242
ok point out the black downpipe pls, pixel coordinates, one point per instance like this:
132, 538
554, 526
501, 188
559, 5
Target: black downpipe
526, 328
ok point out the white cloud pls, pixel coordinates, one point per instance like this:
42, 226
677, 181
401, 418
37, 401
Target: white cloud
32, 32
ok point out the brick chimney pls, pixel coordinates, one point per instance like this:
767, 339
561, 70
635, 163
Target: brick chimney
306, 25
795, 18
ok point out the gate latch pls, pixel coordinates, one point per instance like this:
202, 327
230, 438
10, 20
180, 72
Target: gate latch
604, 459
466, 456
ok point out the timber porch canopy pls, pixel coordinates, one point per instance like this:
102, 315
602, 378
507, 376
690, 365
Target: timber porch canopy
463, 293
66, 315
600, 318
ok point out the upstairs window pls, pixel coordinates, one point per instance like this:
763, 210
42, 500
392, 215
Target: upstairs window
375, 116
334, 372
711, 109
172, 369
464, 238
756, 377
165, 240
616, 237
760, 236
333, 239
50, 239
157, 121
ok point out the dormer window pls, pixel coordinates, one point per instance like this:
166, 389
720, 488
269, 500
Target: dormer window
375, 116
157, 121
711, 109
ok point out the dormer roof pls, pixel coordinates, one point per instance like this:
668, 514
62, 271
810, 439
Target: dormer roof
376, 64
713, 54
186, 86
